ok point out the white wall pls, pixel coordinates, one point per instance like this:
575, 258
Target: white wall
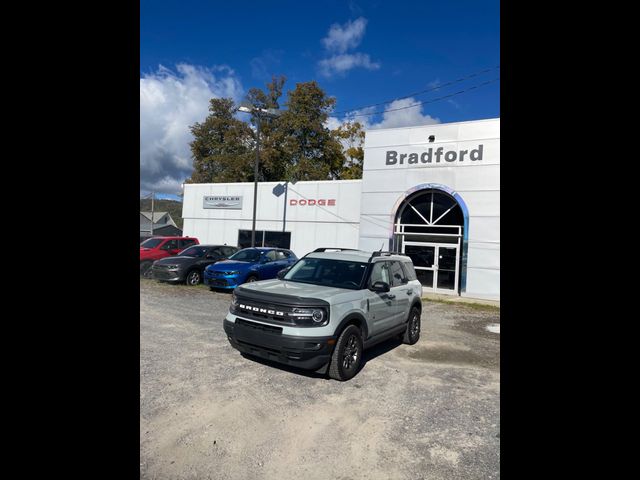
310, 226
477, 182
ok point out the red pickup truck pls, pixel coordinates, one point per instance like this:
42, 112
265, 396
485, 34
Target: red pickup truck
155, 248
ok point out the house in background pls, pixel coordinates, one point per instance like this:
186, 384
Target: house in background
163, 225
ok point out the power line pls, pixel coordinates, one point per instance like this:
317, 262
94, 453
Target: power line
438, 87
429, 101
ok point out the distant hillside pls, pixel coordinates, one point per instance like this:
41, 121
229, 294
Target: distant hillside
173, 207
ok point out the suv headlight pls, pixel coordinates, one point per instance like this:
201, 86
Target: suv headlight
316, 317
232, 272
234, 303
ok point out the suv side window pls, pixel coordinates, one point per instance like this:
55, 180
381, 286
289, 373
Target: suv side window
397, 274
380, 273
280, 255
409, 271
216, 252
170, 245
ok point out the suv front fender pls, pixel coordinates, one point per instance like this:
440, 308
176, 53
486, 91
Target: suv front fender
356, 318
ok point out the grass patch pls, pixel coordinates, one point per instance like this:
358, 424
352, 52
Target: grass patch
473, 306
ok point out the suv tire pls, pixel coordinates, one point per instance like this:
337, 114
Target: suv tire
412, 333
251, 278
193, 278
347, 356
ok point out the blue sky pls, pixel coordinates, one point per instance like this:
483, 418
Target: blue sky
359, 52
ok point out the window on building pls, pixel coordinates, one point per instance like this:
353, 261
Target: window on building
265, 238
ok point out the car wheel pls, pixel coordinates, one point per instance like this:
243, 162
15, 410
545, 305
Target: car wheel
251, 278
412, 334
347, 356
193, 278
145, 269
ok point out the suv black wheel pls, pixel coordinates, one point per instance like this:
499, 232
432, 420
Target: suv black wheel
251, 278
193, 278
347, 356
412, 334
145, 269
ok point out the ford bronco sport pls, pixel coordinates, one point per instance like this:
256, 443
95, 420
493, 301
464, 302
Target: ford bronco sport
322, 312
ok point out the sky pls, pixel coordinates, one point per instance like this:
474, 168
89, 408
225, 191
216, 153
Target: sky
360, 52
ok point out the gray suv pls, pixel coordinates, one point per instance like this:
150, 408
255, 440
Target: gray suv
323, 311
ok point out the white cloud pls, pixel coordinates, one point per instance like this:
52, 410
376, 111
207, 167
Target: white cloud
407, 117
344, 37
391, 117
169, 103
340, 39
339, 64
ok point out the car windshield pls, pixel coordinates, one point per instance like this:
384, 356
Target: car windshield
246, 255
151, 243
328, 272
193, 252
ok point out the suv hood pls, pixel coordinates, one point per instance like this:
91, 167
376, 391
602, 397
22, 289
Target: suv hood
297, 289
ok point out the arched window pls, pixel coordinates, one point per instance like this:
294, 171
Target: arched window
429, 228
430, 215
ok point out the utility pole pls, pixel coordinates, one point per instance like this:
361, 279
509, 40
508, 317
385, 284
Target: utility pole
259, 113
284, 217
152, 197
255, 182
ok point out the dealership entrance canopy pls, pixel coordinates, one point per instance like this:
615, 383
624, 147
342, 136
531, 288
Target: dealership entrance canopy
432, 192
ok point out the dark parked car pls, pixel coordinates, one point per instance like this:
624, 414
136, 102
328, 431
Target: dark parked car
248, 265
188, 266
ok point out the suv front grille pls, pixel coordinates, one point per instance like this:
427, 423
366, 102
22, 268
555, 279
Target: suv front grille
259, 326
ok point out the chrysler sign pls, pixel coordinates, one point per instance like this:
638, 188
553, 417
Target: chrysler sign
431, 156
226, 202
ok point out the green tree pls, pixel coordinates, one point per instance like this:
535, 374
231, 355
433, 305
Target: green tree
351, 135
296, 144
222, 146
273, 161
311, 151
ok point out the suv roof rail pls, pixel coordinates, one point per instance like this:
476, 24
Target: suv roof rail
324, 249
380, 253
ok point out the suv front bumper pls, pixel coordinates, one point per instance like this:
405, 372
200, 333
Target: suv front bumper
310, 353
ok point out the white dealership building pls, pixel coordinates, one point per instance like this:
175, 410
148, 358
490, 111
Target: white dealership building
432, 192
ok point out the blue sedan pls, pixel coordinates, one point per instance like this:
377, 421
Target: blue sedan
248, 265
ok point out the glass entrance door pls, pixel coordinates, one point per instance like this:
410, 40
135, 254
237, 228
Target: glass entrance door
436, 265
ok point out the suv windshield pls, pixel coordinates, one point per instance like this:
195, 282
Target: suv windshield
328, 272
247, 255
151, 243
193, 252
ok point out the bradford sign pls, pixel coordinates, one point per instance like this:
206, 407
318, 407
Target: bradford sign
434, 156
225, 202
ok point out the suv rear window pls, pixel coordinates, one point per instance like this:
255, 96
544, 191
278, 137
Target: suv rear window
410, 272
186, 242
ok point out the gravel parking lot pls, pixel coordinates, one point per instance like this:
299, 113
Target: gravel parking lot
427, 411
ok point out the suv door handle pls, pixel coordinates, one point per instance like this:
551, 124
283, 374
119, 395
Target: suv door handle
391, 296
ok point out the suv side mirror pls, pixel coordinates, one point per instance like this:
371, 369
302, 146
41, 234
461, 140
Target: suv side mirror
380, 287
282, 273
